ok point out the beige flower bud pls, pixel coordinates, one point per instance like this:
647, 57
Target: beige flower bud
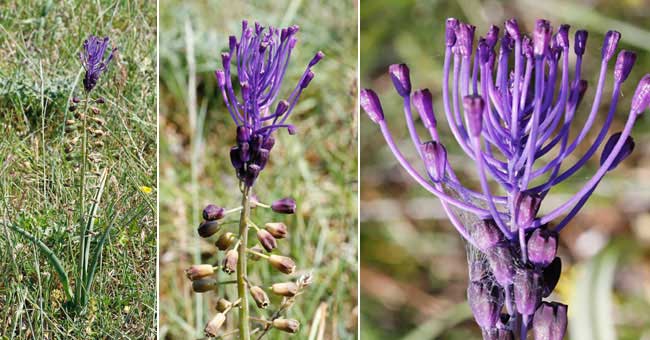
282, 263
288, 289
286, 325
213, 326
277, 229
204, 285
260, 297
267, 240
199, 271
223, 305
230, 261
225, 241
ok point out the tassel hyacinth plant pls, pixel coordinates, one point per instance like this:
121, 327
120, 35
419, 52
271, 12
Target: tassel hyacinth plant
261, 57
512, 104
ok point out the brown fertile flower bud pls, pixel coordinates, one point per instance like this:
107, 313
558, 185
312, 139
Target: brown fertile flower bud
282, 263
277, 229
223, 305
100, 100
258, 249
204, 285
199, 271
225, 241
260, 297
288, 289
208, 228
213, 326
79, 115
76, 100
72, 108
230, 262
213, 212
95, 110
267, 240
286, 325
70, 122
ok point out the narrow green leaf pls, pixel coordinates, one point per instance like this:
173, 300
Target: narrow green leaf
51, 257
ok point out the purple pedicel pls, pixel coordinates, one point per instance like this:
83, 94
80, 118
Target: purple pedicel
261, 57
505, 116
93, 61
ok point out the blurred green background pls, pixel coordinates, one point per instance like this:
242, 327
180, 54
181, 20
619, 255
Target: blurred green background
317, 166
413, 264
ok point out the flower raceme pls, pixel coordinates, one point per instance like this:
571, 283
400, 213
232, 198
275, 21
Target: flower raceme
261, 58
507, 117
94, 61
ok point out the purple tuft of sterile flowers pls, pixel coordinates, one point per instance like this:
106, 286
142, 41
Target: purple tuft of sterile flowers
261, 57
506, 116
94, 60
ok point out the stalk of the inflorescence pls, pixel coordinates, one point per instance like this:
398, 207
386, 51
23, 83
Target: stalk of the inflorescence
82, 205
244, 327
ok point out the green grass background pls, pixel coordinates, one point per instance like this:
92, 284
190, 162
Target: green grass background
413, 264
317, 166
39, 72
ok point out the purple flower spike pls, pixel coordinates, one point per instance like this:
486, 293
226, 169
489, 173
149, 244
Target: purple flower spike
580, 42
626, 150
435, 159
399, 74
624, 63
610, 44
641, 98
550, 321
486, 234
542, 246
93, 61
512, 27
423, 102
450, 32
371, 104
485, 300
529, 291
261, 58
474, 107
541, 37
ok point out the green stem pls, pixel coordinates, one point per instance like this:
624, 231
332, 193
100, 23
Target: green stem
244, 328
82, 204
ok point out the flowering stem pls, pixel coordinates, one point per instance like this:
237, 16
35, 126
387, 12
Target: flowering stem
244, 329
82, 205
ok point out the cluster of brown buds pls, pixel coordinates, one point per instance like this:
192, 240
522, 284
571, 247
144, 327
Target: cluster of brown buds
85, 122
203, 275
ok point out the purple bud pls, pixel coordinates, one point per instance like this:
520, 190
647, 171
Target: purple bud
291, 129
213, 212
641, 98
285, 205
450, 32
624, 152
225, 60
221, 78
232, 42
371, 104
464, 39
550, 321
235, 158
435, 159
423, 102
507, 44
502, 264
319, 55
624, 63
498, 334
266, 240
542, 246
244, 151
399, 74
528, 291
483, 51
252, 171
551, 275
282, 107
474, 106
562, 36
208, 228
541, 37
526, 207
262, 158
268, 143
492, 36
580, 42
527, 47
486, 234
512, 27
486, 301
478, 270
307, 79
243, 134
610, 44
